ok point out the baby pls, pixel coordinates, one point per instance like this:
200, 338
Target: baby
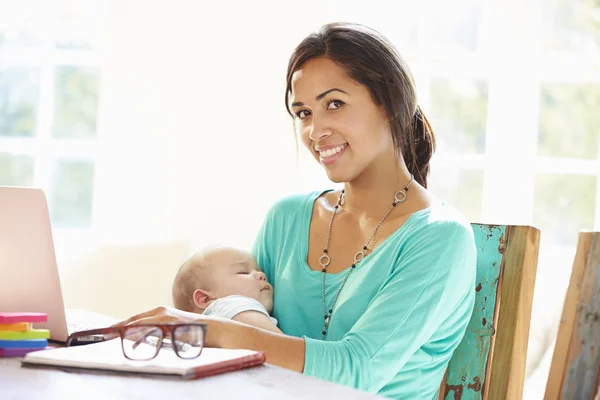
225, 282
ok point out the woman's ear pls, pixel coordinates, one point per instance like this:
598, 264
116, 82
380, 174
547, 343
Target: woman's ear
202, 298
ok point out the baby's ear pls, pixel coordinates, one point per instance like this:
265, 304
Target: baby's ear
201, 298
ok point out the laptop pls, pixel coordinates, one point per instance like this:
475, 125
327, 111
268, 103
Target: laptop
29, 278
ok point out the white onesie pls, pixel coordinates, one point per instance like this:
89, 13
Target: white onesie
230, 306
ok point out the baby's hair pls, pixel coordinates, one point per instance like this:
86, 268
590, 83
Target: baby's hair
191, 275
195, 273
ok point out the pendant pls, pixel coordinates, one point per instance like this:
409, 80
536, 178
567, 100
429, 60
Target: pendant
324, 260
359, 256
400, 196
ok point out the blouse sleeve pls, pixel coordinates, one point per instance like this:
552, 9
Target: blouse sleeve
434, 278
262, 246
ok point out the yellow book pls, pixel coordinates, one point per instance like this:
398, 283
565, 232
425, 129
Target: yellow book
16, 327
31, 334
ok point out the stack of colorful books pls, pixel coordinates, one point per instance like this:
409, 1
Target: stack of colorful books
17, 336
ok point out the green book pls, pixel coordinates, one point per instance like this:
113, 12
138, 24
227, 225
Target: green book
32, 334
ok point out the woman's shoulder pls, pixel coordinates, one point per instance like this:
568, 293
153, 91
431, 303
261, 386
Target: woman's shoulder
439, 236
440, 222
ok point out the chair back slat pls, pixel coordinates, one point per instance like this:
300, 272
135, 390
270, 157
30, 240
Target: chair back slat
575, 369
488, 363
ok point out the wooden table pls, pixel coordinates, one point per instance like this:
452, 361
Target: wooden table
263, 382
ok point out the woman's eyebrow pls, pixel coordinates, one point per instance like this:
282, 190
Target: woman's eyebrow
319, 97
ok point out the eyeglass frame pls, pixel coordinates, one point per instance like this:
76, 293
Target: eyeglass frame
167, 332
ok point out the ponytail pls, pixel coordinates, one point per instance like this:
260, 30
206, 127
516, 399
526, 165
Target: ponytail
419, 147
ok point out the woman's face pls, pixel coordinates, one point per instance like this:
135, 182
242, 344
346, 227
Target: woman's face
338, 121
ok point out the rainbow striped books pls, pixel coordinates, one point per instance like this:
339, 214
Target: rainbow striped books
17, 336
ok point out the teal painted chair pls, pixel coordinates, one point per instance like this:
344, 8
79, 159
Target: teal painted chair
489, 363
575, 369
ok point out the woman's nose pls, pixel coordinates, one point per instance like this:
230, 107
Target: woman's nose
319, 131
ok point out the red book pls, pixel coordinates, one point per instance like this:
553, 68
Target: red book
233, 364
14, 317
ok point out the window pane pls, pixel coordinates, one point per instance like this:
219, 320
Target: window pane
78, 24
459, 114
16, 170
70, 194
456, 25
572, 25
19, 91
76, 91
24, 22
563, 205
569, 124
460, 188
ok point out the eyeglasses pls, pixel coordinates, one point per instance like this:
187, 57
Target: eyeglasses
142, 342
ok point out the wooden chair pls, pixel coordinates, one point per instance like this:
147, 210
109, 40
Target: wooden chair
575, 369
489, 363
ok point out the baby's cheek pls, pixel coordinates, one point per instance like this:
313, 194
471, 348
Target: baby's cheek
252, 292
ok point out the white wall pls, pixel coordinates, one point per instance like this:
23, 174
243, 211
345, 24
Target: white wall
195, 140
192, 117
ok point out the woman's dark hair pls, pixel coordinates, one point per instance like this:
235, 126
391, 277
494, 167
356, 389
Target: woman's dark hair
371, 60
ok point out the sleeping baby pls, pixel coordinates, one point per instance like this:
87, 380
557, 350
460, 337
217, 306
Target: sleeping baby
225, 282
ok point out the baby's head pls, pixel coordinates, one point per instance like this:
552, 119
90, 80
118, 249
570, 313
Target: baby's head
217, 272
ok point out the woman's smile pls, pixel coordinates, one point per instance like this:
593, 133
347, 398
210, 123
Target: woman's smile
329, 155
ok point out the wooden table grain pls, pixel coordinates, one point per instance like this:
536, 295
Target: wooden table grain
263, 382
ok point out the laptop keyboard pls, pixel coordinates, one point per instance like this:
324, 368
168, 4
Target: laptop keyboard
83, 320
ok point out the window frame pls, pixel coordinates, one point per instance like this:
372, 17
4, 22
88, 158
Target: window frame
42, 147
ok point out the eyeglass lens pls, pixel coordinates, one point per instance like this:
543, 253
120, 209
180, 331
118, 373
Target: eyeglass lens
142, 343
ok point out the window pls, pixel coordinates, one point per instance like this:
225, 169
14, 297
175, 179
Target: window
514, 100
49, 90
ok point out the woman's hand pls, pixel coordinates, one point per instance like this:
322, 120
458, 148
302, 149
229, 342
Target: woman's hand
162, 315
281, 350
165, 315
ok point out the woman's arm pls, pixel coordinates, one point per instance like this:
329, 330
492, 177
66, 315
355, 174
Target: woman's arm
281, 350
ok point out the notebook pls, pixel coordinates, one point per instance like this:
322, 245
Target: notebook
108, 356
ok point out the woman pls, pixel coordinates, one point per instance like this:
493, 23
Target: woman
373, 284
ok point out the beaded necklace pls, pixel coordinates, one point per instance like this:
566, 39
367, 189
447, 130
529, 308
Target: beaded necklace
325, 259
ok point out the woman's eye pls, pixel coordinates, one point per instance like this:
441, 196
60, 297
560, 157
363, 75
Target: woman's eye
302, 114
334, 104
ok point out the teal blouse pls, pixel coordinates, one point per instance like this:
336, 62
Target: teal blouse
400, 315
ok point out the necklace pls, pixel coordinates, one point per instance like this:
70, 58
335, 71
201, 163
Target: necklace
325, 260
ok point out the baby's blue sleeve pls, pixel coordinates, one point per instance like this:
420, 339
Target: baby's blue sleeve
434, 279
280, 222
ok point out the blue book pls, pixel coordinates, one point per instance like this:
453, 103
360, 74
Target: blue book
23, 344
